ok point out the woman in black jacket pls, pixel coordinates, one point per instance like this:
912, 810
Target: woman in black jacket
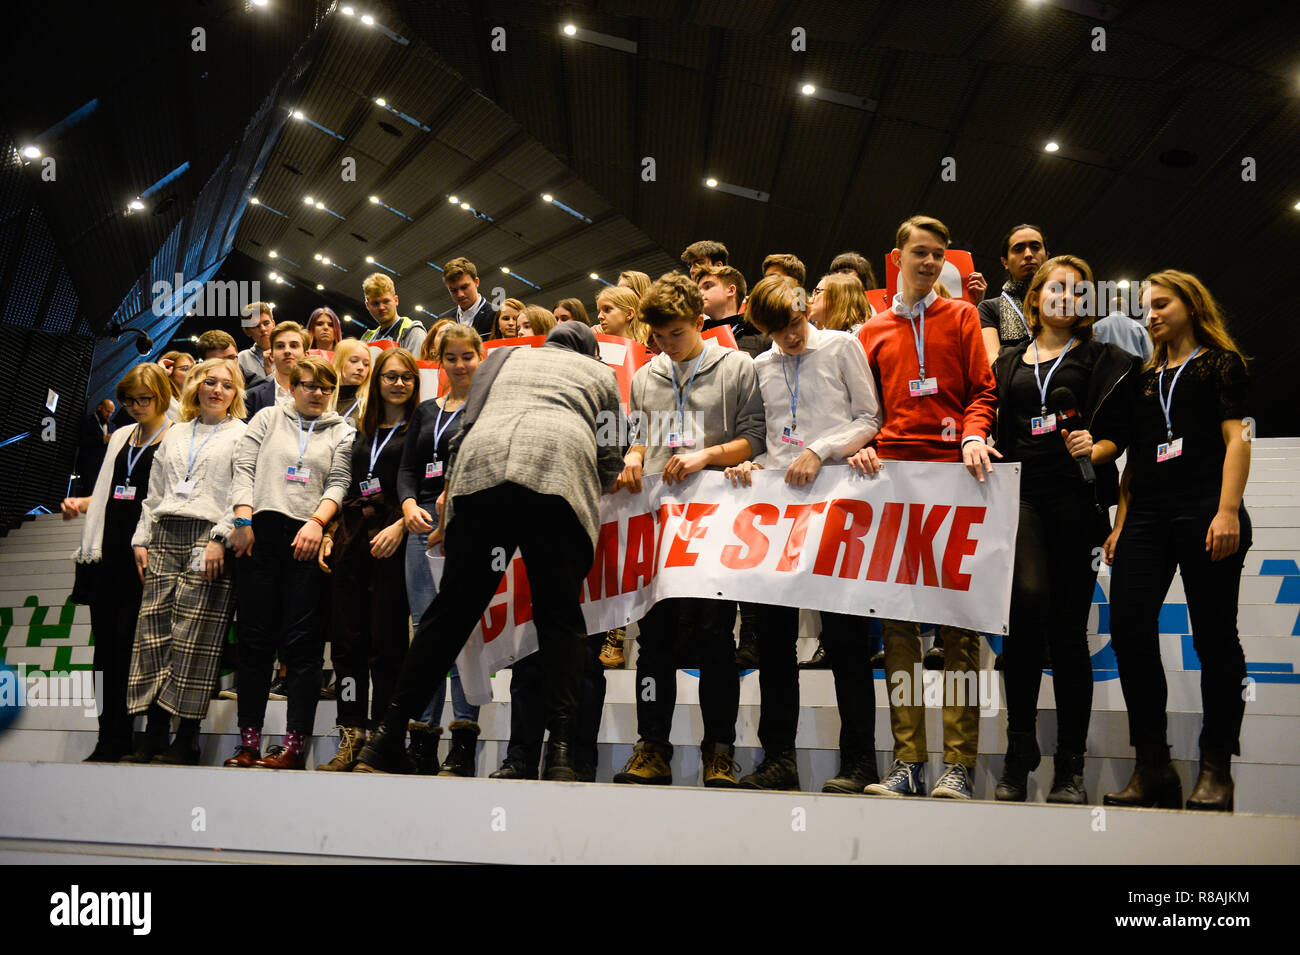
1062, 514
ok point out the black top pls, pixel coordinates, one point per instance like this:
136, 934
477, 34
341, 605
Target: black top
1011, 331
1043, 456
1214, 388
418, 451
345, 399
121, 516
386, 465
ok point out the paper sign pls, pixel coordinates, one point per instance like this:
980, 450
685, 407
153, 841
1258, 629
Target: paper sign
957, 267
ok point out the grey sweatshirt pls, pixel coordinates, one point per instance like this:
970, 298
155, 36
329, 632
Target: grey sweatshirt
723, 403
269, 448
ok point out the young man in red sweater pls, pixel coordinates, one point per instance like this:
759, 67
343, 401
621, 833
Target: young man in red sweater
937, 402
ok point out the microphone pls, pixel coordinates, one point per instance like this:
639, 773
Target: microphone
1062, 400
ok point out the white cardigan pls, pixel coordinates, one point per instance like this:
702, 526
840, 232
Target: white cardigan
213, 469
92, 532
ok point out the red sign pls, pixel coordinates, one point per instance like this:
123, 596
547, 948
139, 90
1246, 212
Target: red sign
957, 267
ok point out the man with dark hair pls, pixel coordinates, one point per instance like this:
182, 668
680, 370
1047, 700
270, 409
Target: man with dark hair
288, 344
723, 290
783, 263
704, 253
854, 263
1002, 319
214, 343
95, 429
461, 279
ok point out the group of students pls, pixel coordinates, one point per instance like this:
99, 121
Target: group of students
326, 502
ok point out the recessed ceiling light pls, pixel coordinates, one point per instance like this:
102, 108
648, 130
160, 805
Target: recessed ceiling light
368, 20
347, 318
319, 204
319, 287
570, 29
595, 276
547, 197
1297, 207
297, 114
347, 11
326, 260
505, 269
273, 254
808, 89
453, 200
308, 199
370, 258
1052, 147
374, 199
273, 276
465, 206
136, 204
255, 201
711, 183
31, 152
380, 101
317, 256
1122, 283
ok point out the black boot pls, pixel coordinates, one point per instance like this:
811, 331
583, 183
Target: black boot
1154, 784
776, 771
513, 769
1067, 782
933, 659
747, 652
184, 750
1022, 759
154, 738
464, 744
384, 753
818, 660
423, 751
1213, 789
558, 761
857, 772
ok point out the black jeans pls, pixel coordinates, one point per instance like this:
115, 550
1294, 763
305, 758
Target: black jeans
711, 624
528, 708
1051, 594
557, 552
845, 638
114, 612
1160, 535
283, 608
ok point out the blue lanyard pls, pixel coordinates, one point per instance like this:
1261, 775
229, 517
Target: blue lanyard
131, 462
376, 449
681, 395
302, 440
189, 470
794, 395
920, 340
1167, 406
1043, 385
1019, 314
348, 413
439, 429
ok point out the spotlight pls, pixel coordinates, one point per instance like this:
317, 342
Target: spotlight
808, 89
465, 206
309, 200
31, 152
316, 256
505, 269
595, 276
319, 287
711, 183
297, 114
273, 254
547, 197
347, 11
273, 276
325, 260
319, 204
1297, 207
368, 20
135, 205
570, 29
370, 259
259, 3
347, 318
453, 200
380, 101
254, 201
1052, 147
375, 200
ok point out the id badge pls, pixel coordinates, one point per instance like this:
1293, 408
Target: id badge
433, 469
1167, 452
788, 437
297, 474
674, 440
196, 558
184, 488
1043, 425
370, 487
919, 387
124, 492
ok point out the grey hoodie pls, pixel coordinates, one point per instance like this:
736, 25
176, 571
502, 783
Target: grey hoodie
723, 403
269, 448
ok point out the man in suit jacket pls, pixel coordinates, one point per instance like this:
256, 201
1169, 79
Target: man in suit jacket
288, 344
95, 429
528, 474
461, 278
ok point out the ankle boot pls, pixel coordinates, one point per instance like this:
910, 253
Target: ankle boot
184, 750
558, 762
1214, 787
1155, 782
384, 752
423, 751
1022, 759
464, 744
154, 738
1067, 782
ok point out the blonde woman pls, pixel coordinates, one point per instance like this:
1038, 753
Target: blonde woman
536, 321
352, 368
506, 324
616, 314
837, 303
189, 596
638, 282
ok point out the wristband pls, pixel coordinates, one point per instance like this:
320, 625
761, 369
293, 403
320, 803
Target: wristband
242, 522
317, 520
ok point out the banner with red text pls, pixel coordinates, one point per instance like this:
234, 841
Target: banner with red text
920, 541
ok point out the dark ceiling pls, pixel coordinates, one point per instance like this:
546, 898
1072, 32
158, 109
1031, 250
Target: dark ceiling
1153, 133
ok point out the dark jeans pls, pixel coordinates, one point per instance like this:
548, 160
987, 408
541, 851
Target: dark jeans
283, 608
557, 552
1159, 536
845, 639
114, 611
1051, 593
368, 628
528, 708
711, 624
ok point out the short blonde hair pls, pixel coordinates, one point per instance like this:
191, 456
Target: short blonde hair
928, 223
190, 396
150, 377
290, 328
376, 284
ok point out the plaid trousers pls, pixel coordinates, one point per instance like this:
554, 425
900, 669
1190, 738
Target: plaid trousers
182, 625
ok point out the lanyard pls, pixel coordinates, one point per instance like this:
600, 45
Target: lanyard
794, 395
189, 470
131, 462
679, 394
1019, 314
920, 340
439, 429
1166, 406
348, 413
1043, 385
376, 449
303, 439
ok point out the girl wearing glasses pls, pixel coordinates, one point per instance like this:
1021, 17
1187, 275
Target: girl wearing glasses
837, 303
292, 468
366, 553
180, 539
111, 576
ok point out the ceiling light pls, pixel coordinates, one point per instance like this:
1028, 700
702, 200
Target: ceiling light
505, 269
347, 11
273, 276
347, 318
319, 287
316, 256
595, 276
273, 254
570, 29
711, 183
368, 20
272, 304
453, 200
808, 89
547, 197
419, 308
308, 199
1122, 283
319, 204
380, 101
297, 114
255, 201
370, 258
31, 152
1297, 207
136, 205
325, 260
1052, 147
465, 206
374, 199
259, 3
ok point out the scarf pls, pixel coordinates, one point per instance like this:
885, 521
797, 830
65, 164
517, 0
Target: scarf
1010, 327
92, 532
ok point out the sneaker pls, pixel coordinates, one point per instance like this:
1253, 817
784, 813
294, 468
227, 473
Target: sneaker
351, 739
774, 772
611, 654
904, 779
955, 783
720, 769
277, 691
230, 694
647, 765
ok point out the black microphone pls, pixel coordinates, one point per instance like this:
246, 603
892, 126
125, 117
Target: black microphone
1063, 402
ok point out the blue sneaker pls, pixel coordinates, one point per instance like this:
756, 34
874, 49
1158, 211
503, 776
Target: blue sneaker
955, 783
904, 779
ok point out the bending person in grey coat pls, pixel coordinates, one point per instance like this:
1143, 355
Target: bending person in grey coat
528, 474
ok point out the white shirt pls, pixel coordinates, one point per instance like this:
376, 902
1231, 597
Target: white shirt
916, 312
467, 318
838, 410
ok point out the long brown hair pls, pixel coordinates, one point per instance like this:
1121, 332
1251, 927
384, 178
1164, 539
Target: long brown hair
1082, 327
369, 423
1208, 324
845, 305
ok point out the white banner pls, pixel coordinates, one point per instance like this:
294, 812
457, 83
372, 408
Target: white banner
919, 541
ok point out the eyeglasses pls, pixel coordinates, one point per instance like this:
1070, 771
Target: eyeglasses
137, 402
312, 386
818, 290
392, 378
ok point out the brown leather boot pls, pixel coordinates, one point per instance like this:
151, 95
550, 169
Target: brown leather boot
351, 739
1155, 783
1214, 787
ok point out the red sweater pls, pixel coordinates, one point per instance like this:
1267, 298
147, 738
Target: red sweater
912, 429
